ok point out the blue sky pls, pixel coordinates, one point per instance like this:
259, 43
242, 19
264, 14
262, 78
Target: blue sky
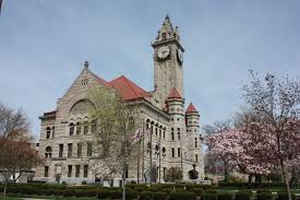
43, 44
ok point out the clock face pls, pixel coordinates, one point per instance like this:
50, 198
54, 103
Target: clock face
179, 56
163, 52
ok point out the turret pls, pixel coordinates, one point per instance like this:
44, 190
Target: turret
192, 119
175, 103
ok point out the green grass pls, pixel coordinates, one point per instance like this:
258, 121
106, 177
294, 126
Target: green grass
10, 198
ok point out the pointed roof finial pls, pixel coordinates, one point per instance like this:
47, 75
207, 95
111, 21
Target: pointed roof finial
167, 17
86, 64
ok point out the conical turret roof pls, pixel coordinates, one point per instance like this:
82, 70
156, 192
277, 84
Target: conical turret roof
174, 94
191, 109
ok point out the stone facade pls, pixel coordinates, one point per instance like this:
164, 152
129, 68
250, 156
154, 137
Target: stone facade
171, 133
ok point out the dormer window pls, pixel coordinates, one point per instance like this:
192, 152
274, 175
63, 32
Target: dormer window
164, 36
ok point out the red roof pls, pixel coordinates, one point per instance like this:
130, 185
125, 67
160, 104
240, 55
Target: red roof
128, 89
174, 94
191, 108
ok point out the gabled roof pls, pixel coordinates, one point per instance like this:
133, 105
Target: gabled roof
174, 94
191, 109
128, 89
99, 80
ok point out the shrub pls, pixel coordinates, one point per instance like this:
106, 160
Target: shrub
264, 196
225, 196
146, 195
284, 196
69, 193
83, 183
182, 195
209, 196
243, 195
159, 196
131, 194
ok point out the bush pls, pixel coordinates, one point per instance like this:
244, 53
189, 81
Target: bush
146, 195
284, 196
182, 195
159, 196
243, 195
209, 196
225, 196
83, 183
131, 194
264, 196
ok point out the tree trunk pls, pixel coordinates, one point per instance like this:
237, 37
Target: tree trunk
4, 191
285, 177
250, 179
225, 173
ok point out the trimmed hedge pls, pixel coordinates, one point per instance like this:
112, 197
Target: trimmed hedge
264, 196
225, 196
182, 195
210, 196
243, 195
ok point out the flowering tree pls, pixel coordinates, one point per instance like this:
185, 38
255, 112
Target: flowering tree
234, 147
277, 136
212, 158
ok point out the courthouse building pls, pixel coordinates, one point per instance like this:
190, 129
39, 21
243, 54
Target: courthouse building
66, 137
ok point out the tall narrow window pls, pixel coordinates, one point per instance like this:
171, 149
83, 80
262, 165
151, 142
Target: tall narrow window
61, 150
196, 143
164, 134
71, 131
48, 132
78, 128
178, 133
173, 152
159, 132
46, 171
85, 128
53, 131
89, 149
79, 150
69, 170
94, 126
85, 171
178, 152
156, 130
77, 171
70, 150
164, 173
196, 157
172, 134
48, 152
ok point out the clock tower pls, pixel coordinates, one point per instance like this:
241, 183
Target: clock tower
168, 61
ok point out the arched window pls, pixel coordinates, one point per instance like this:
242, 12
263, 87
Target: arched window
85, 128
172, 134
48, 132
78, 128
178, 133
48, 152
196, 157
94, 126
71, 130
196, 143
53, 131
